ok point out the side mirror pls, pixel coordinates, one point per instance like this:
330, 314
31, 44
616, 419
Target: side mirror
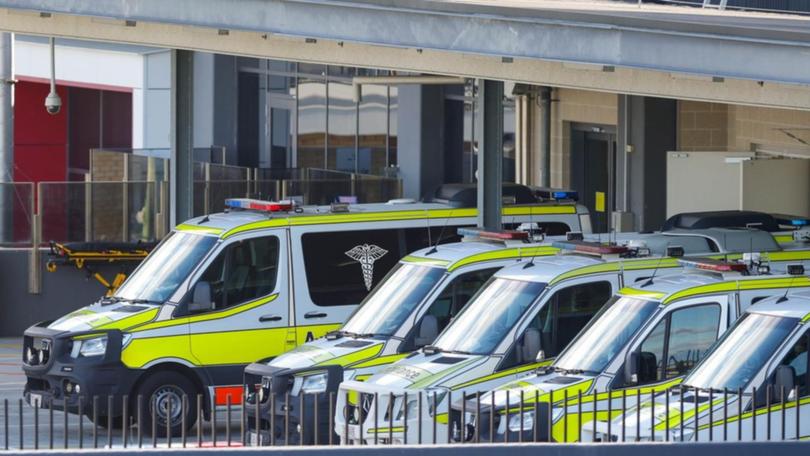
541, 356
640, 367
530, 345
427, 332
631, 368
784, 380
202, 298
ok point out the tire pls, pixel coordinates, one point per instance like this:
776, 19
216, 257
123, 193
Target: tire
160, 389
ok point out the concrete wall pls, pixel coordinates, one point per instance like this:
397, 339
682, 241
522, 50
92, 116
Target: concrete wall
63, 291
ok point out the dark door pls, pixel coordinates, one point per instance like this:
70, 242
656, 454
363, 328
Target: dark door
593, 166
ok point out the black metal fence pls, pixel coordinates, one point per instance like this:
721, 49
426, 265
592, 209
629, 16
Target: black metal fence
677, 414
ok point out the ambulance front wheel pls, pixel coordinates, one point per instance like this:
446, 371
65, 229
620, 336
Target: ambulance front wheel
162, 395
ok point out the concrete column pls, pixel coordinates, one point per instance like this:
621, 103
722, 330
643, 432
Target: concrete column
182, 137
6, 140
647, 129
420, 130
545, 134
490, 155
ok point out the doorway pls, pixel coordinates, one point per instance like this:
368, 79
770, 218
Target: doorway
593, 170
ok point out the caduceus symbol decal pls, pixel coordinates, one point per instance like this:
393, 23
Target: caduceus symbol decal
366, 255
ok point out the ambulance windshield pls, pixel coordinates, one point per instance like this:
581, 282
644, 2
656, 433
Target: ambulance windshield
606, 335
393, 300
742, 352
159, 275
489, 316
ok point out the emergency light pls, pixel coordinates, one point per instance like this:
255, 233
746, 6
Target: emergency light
709, 264
557, 195
259, 205
591, 247
792, 220
505, 235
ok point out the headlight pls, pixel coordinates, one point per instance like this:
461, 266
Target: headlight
96, 346
435, 397
527, 418
314, 384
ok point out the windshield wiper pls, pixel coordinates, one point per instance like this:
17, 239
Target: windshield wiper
459, 352
142, 301
431, 349
565, 371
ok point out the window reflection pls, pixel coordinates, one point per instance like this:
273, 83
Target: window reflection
340, 152
372, 138
311, 123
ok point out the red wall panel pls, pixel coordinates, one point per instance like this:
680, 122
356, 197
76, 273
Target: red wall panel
40, 139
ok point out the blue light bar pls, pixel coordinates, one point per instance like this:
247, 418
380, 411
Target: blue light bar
565, 195
792, 220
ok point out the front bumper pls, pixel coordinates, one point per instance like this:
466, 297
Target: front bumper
368, 414
285, 418
52, 382
495, 427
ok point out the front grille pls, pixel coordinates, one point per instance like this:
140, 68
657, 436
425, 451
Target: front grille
366, 402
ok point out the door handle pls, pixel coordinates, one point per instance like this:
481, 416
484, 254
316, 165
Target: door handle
315, 315
266, 318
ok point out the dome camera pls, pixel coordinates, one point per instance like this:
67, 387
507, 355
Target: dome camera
53, 103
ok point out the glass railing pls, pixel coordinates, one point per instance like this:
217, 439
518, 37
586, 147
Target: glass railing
102, 211
210, 196
16, 214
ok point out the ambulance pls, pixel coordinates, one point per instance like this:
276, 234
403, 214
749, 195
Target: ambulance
405, 312
224, 290
519, 321
644, 340
753, 385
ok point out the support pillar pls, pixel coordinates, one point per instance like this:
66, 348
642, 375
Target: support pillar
545, 135
490, 156
6, 141
181, 184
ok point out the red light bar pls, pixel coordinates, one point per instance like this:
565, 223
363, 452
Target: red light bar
505, 235
591, 247
259, 205
709, 264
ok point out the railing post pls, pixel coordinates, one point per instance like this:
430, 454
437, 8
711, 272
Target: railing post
34, 262
207, 192
125, 202
88, 207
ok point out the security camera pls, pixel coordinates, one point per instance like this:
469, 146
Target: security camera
53, 103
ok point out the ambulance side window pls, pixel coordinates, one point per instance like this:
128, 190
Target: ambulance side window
244, 271
448, 304
343, 266
679, 341
797, 358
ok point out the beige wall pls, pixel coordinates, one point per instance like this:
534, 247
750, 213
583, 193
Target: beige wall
702, 126
581, 106
774, 128
719, 127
